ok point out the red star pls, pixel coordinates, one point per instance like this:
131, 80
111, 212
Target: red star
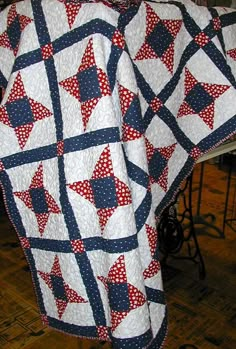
167, 153
72, 85
72, 10
214, 91
117, 275
16, 97
26, 197
146, 51
69, 296
5, 40
102, 170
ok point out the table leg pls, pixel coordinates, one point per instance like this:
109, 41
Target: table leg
207, 219
173, 234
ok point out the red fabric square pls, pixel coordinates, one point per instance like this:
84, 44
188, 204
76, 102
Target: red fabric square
24, 242
155, 104
195, 153
47, 51
60, 148
201, 39
103, 333
78, 246
216, 23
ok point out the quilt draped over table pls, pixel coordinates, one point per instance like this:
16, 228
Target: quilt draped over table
104, 114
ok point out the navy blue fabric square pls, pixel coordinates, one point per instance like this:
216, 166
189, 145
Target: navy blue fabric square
58, 288
39, 200
88, 84
198, 98
133, 116
160, 39
14, 32
104, 192
19, 112
119, 297
157, 165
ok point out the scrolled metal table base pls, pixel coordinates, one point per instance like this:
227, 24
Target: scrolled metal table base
173, 234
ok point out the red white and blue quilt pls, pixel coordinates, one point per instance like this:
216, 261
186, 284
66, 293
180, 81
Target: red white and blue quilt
105, 111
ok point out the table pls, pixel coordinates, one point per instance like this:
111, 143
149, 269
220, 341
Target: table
104, 114
177, 225
226, 148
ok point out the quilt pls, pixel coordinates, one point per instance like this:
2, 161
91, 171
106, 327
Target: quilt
105, 111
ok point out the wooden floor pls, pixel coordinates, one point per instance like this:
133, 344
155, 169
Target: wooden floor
202, 313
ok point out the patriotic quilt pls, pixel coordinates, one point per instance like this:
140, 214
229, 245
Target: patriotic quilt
105, 111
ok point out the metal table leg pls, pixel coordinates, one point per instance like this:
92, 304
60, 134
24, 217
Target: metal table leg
173, 234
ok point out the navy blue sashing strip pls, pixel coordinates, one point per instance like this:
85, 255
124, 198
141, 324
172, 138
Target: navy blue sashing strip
29, 156
73, 229
91, 139
140, 177
81, 142
126, 17
95, 26
142, 212
137, 174
66, 40
27, 59
116, 52
165, 115
138, 342
156, 296
228, 19
121, 245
